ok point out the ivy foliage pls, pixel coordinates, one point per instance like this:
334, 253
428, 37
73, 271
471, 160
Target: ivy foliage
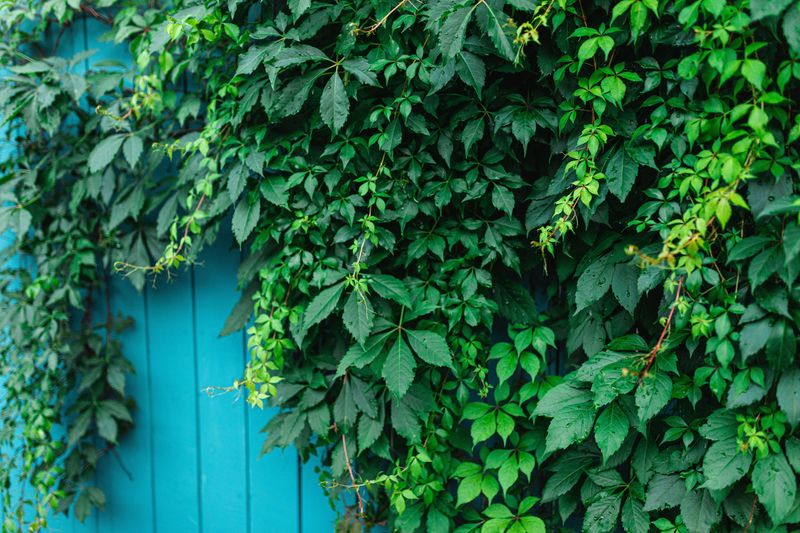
512, 266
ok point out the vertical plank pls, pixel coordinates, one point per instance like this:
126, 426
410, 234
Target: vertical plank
316, 511
126, 477
104, 49
174, 392
274, 481
222, 432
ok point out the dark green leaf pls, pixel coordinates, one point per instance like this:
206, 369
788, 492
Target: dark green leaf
398, 369
358, 316
322, 305
334, 105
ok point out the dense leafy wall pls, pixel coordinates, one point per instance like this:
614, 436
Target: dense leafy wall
404, 176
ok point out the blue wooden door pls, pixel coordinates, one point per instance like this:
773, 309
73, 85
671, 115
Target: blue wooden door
191, 463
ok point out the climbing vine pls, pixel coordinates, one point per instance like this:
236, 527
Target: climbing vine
511, 265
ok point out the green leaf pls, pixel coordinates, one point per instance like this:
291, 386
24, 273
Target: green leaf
593, 283
299, 54
273, 189
601, 516
634, 517
610, 430
116, 378
664, 491
437, 522
106, 425
791, 27
793, 453
405, 422
699, 511
506, 366
105, 151
469, 489
781, 345
721, 425
508, 474
319, 419
430, 347
561, 396
724, 464
360, 356
245, 218
322, 305
471, 70
334, 105
572, 424
503, 199
767, 8
398, 369
754, 337
250, 60
497, 32
390, 288
369, 430
621, 172
514, 301
132, 150
298, 7
788, 394
484, 427
358, 316
748, 247
359, 67
237, 179
624, 285
775, 485
754, 71
453, 31
652, 395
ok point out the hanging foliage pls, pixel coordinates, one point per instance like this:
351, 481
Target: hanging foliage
512, 266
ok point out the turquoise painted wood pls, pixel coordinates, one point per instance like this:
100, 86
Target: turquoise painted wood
191, 463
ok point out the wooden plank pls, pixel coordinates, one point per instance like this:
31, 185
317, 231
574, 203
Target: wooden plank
127, 476
222, 430
316, 511
174, 419
274, 482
